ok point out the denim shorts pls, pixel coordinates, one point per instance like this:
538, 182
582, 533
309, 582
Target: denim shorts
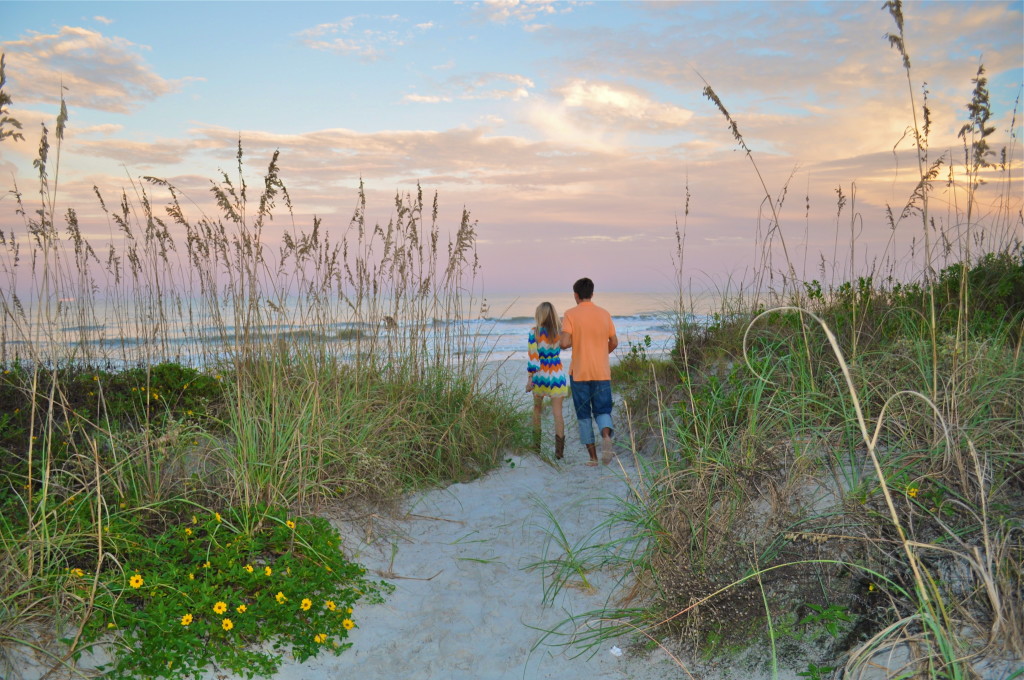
591, 398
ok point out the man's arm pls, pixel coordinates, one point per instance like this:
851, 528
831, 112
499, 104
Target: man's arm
564, 340
613, 342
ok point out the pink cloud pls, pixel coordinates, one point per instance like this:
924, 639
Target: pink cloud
103, 73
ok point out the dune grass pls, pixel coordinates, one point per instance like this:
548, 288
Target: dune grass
179, 402
838, 463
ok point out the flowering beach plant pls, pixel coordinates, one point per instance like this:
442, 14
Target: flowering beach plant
233, 588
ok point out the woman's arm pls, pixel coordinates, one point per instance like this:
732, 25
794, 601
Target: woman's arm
533, 358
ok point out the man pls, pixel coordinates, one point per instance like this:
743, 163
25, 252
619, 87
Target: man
589, 331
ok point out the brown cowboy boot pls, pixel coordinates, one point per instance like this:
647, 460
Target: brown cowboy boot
559, 447
592, 451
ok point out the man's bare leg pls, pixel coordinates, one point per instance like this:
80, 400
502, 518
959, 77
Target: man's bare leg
607, 452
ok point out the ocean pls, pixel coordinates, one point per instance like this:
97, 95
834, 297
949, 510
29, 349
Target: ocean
507, 319
495, 329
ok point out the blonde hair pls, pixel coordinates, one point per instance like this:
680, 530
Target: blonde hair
547, 319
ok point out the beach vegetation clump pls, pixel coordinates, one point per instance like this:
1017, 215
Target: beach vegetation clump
179, 401
837, 481
846, 486
234, 588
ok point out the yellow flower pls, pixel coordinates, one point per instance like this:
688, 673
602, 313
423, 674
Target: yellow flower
206, 564
77, 573
248, 568
306, 604
871, 587
111, 625
241, 608
290, 524
95, 378
320, 638
186, 619
188, 532
912, 492
136, 581
216, 516
220, 607
330, 605
191, 577
226, 624
194, 520
268, 571
348, 610
348, 624
328, 569
280, 597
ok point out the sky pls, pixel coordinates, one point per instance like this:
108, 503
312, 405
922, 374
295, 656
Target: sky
576, 134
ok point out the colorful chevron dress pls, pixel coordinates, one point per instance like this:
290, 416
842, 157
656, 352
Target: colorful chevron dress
545, 365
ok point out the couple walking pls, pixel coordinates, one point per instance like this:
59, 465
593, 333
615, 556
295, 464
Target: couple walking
589, 331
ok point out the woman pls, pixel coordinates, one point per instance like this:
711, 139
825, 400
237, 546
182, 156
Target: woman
545, 374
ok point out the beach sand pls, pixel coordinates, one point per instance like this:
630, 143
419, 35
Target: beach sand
466, 604
469, 601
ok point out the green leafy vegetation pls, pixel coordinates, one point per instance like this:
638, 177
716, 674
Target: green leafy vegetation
175, 413
213, 588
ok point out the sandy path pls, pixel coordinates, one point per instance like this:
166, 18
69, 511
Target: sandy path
466, 605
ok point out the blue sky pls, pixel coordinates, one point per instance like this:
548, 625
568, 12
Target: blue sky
570, 130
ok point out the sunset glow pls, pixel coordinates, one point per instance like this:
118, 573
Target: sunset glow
572, 131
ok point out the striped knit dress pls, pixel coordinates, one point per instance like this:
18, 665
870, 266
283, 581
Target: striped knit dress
545, 365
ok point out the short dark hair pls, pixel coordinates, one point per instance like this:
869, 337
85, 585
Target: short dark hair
584, 288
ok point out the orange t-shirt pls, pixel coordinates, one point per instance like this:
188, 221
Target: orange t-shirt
591, 328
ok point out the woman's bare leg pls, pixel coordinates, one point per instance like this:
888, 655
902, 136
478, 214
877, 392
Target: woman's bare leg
556, 411
538, 406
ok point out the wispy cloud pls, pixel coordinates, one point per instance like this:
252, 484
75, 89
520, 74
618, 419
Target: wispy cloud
363, 35
104, 73
480, 86
524, 11
103, 20
620, 105
426, 99
494, 86
602, 238
139, 156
